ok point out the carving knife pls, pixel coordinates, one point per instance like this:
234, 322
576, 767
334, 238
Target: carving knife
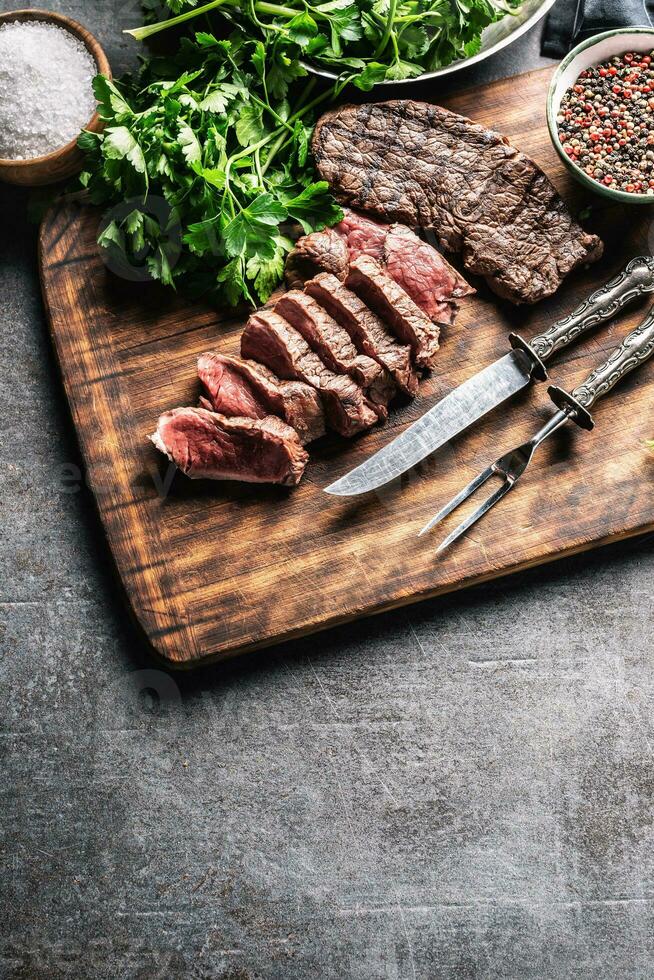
495, 384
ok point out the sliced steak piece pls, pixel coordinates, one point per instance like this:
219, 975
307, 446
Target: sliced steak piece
429, 279
367, 330
411, 325
363, 235
270, 339
333, 345
205, 445
250, 390
422, 165
321, 251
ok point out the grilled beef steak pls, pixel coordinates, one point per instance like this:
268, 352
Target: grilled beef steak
396, 307
207, 445
249, 390
366, 329
270, 339
333, 345
321, 251
421, 165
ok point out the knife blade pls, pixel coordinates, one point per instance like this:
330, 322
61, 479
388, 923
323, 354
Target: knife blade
495, 384
470, 401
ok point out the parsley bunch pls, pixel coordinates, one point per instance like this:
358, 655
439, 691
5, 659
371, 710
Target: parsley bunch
368, 40
220, 135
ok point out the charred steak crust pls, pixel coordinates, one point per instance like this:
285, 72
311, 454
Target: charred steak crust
422, 165
333, 345
395, 306
271, 340
368, 331
236, 387
321, 251
206, 445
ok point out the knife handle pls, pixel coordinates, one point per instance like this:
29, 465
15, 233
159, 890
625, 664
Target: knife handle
635, 349
604, 304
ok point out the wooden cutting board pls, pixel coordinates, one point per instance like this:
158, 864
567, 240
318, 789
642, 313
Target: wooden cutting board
214, 570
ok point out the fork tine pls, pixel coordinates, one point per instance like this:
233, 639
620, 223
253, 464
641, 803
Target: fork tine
460, 498
478, 514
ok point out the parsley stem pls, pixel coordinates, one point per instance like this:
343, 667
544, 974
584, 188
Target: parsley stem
141, 33
279, 143
257, 164
274, 150
269, 108
311, 105
390, 18
260, 23
396, 50
248, 150
274, 9
308, 88
425, 15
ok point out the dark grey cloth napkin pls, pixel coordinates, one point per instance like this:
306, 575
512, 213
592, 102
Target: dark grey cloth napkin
572, 21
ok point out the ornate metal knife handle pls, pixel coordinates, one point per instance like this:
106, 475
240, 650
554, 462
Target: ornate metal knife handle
635, 349
635, 281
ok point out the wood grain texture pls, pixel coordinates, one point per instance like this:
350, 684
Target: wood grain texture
214, 570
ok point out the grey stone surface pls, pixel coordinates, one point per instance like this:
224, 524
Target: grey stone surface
463, 789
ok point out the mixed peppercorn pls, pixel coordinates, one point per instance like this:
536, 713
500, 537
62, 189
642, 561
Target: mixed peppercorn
606, 123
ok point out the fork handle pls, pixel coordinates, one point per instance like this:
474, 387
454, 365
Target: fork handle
604, 304
635, 349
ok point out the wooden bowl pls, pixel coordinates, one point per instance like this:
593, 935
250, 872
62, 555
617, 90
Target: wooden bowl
68, 159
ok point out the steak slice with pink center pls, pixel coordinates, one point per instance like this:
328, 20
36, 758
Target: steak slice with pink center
368, 331
395, 306
333, 345
363, 236
429, 279
206, 445
420, 269
237, 387
271, 340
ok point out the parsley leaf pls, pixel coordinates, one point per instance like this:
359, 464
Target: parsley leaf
314, 207
249, 125
119, 143
253, 227
215, 137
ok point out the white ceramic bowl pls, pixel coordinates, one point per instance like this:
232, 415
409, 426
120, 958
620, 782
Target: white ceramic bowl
497, 36
596, 49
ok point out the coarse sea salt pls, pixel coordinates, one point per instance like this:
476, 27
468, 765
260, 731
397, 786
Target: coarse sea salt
45, 88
